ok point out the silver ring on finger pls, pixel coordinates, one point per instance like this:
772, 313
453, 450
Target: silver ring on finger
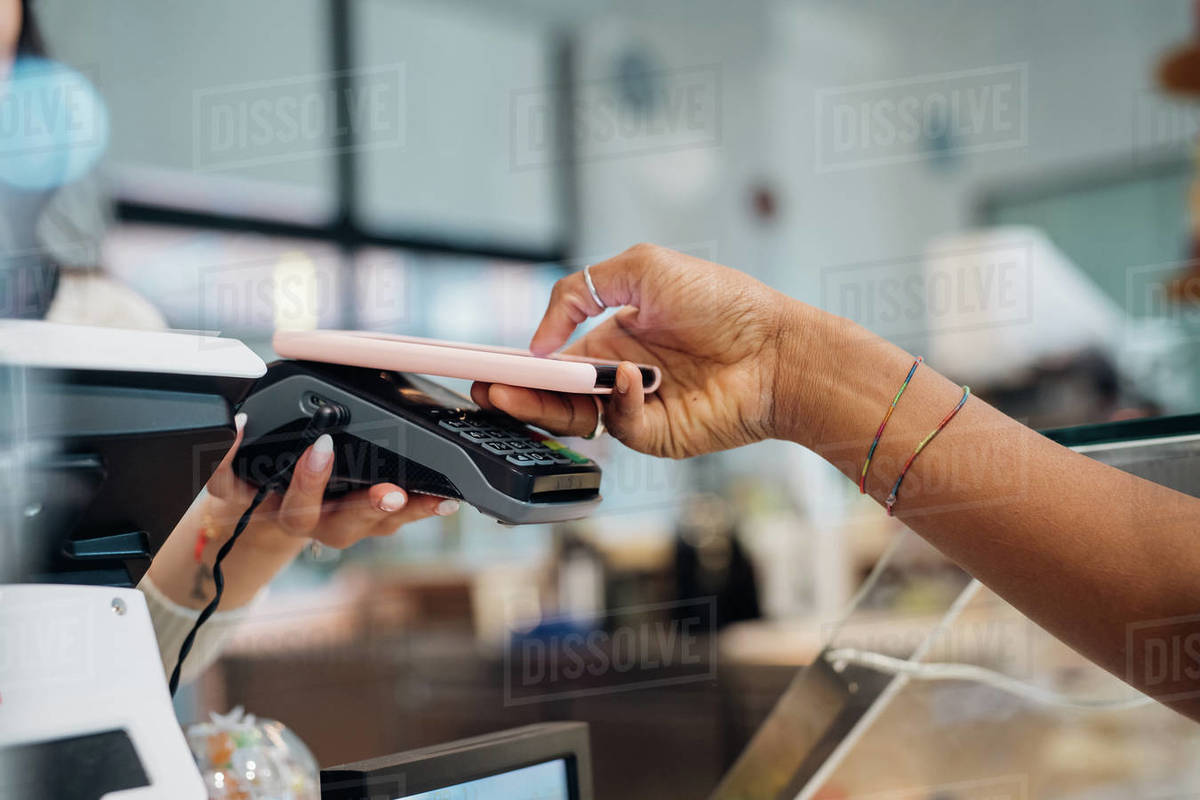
599, 429
587, 278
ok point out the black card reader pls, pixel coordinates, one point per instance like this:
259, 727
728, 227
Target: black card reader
405, 429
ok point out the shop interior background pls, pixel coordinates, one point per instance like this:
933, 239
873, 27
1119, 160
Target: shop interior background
945, 173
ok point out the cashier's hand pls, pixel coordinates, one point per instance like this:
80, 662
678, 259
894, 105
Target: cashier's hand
713, 331
303, 512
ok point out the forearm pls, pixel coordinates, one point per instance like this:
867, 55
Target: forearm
258, 557
1084, 549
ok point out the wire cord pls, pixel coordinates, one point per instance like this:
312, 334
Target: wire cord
326, 418
976, 674
218, 582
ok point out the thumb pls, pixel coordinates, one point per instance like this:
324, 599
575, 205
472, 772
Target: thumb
625, 411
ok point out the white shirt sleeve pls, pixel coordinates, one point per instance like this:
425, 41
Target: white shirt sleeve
173, 621
93, 298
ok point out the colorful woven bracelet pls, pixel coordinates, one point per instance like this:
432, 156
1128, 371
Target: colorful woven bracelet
891, 498
862, 479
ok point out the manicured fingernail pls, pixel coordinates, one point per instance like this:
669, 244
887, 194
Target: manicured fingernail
447, 507
239, 421
321, 453
622, 380
393, 501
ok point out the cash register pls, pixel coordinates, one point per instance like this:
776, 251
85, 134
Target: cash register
105, 437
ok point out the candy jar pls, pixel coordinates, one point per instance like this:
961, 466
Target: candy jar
244, 758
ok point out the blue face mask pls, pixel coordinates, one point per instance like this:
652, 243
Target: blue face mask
53, 130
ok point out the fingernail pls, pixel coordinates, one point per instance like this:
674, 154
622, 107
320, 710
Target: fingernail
239, 420
393, 501
321, 453
447, 507
622, 381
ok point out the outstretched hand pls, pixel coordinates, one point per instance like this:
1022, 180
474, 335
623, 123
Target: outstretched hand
713, 331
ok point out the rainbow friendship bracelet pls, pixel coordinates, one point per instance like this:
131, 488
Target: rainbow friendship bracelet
862, 479
891, 499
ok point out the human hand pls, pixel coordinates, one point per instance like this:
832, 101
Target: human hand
302, 512
718, 335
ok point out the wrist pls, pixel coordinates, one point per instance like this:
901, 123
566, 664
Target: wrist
805, 372
263, 549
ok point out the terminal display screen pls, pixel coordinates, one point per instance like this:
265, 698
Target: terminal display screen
546, 781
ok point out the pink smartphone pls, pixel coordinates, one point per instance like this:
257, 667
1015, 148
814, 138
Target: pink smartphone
557, 373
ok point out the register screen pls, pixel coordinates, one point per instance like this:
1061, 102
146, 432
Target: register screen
546, 781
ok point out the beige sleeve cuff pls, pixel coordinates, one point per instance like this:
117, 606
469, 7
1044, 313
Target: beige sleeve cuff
173, 621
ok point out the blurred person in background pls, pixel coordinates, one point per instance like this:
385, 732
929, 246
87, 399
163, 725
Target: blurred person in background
1082, 548
52, 220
